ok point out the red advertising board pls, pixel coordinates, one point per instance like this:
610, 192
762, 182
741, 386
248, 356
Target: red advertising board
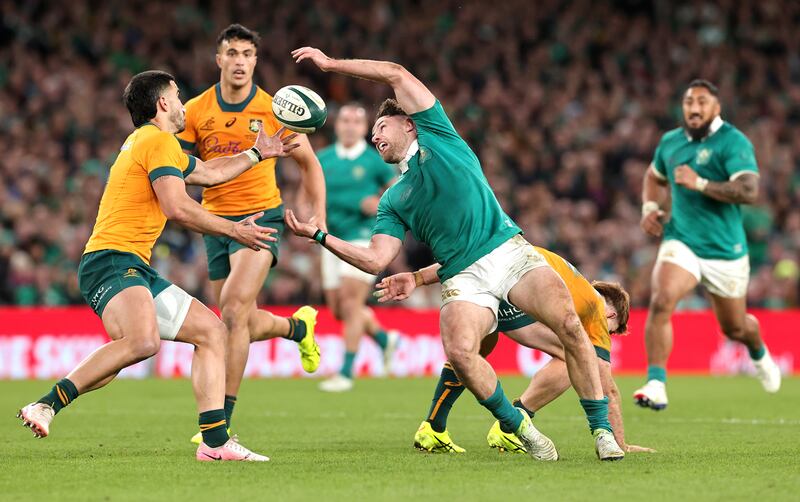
49, 342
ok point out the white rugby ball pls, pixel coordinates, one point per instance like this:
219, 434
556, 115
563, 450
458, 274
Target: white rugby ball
299, 109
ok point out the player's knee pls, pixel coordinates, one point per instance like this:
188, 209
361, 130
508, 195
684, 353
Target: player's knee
735, 332
234, 313
146, 346
211, 336
350, 310
570, 331
662, 303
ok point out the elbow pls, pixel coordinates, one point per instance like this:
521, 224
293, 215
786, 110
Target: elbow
397, 73
374, 268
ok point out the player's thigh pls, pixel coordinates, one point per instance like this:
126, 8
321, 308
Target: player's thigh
540, 337
463, 325
131, 314
731, 313
542, 294
249, 269
216, 288
675, 274
201, 326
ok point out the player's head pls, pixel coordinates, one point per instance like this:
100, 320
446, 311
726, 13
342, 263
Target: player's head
351, 124
153, 93
237, 48
700, 107
618, 305
393, 132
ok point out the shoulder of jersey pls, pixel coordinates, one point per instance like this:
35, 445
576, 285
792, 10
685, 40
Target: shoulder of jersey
263, 95
202, 97
672, 134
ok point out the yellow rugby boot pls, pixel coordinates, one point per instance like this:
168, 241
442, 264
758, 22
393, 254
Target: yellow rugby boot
504, 441
427, 439
309, 350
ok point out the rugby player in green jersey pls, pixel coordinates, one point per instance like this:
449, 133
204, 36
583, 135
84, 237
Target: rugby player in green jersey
444, 199
355, 177
699, 176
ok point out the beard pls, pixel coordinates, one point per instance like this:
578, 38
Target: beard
178, 120
700, 132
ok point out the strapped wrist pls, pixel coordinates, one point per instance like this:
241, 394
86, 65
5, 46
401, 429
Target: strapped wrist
700, 184
419, 280
320, 236
649, 206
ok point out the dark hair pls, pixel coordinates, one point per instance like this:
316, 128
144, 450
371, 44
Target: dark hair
238, 32
142, 93
390, 108
620, 299
699, 82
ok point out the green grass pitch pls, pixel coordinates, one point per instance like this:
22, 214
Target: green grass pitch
720, 439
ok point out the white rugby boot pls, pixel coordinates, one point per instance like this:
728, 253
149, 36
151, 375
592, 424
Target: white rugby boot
768, 373
653, 395
37, 417
606, 446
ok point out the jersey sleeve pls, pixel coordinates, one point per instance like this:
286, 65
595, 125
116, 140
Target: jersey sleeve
658, 165
435, 121
387, 221
161, 155
740, 157
188, 137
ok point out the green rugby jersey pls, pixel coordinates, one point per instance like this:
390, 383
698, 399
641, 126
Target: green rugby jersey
444, 199
352, 175
712, 229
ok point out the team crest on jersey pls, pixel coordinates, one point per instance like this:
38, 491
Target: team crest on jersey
131, 272
208, 125
255, 124
703, 156
359, 172
424, 154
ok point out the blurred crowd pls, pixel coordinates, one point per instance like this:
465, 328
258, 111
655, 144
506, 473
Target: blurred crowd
563, 101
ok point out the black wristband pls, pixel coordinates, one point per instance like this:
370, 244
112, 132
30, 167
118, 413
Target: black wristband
320, 236
258, 154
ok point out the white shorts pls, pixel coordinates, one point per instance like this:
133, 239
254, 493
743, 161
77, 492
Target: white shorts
724, 278
172, 306
488, 280
334, 268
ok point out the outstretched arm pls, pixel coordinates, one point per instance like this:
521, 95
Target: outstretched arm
411, 94
313, 181
373, 259
222, 169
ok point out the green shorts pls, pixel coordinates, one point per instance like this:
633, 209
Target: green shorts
219, 249
510, 318
104, 274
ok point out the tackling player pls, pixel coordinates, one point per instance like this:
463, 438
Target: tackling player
146, 186
355, 176
221, 121
603, 308
444, 199
704, 170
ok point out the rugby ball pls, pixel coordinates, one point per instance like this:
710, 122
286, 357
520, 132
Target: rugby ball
299, 109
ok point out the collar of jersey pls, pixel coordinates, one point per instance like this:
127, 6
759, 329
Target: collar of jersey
413, 148
234, 107
712, 128
353, 152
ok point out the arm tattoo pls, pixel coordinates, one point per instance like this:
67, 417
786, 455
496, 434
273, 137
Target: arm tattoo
742, 190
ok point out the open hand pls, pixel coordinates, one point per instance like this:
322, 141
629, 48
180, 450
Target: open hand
275, 146
248, 233
300, 228
395, 287
319, 58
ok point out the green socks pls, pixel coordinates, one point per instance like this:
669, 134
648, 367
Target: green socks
297, 329
447, 391
347, 365
214, 427
502, 409
597, 413
62, 393
518, 404
381, 338
230, 402
758, 354
657, 373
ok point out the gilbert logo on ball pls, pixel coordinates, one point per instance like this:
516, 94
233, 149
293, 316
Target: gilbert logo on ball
299, 109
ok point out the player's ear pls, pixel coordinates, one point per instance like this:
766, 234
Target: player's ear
218, 58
